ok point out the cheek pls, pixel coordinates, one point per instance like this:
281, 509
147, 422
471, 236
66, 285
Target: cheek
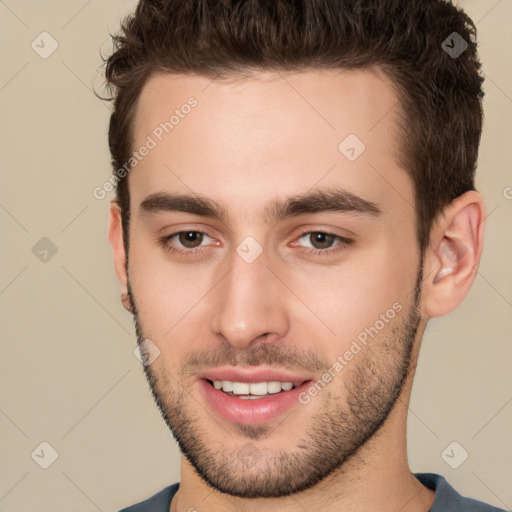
168, 295
352, 296
156, 288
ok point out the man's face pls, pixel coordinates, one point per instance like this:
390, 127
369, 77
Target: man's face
306, 293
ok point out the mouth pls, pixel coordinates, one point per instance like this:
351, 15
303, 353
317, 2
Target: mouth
251, 403
253, 390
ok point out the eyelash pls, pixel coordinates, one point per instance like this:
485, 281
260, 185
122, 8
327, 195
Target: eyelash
340, 246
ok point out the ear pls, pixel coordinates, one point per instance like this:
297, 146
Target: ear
453, 255
115, 236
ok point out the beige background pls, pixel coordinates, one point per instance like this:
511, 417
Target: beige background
68, 373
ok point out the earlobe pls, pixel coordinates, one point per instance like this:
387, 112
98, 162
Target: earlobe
454, 254
127, 303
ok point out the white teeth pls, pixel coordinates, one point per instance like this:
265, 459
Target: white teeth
240, 388
253, 388
274, 386
227, 385
258, 388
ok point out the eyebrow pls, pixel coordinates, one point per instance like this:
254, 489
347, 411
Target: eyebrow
316, 201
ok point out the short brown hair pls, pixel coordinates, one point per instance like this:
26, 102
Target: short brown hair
440, 95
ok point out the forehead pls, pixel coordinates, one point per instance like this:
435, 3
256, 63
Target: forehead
269, 134
332, 100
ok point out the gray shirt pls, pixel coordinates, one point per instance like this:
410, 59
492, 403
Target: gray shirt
447, 499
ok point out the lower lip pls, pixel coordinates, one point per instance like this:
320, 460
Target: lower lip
251, 411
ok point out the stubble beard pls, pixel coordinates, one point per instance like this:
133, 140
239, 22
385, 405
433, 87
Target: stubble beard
346, 418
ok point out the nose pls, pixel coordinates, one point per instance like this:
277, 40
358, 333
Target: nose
250, 304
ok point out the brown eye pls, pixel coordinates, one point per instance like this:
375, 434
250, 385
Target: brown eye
321, 243
186, 243
321, 240
190, 239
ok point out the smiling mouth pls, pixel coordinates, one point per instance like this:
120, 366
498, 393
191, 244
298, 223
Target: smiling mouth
253, 390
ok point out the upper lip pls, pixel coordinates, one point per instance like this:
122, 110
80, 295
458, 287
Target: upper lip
255, 375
